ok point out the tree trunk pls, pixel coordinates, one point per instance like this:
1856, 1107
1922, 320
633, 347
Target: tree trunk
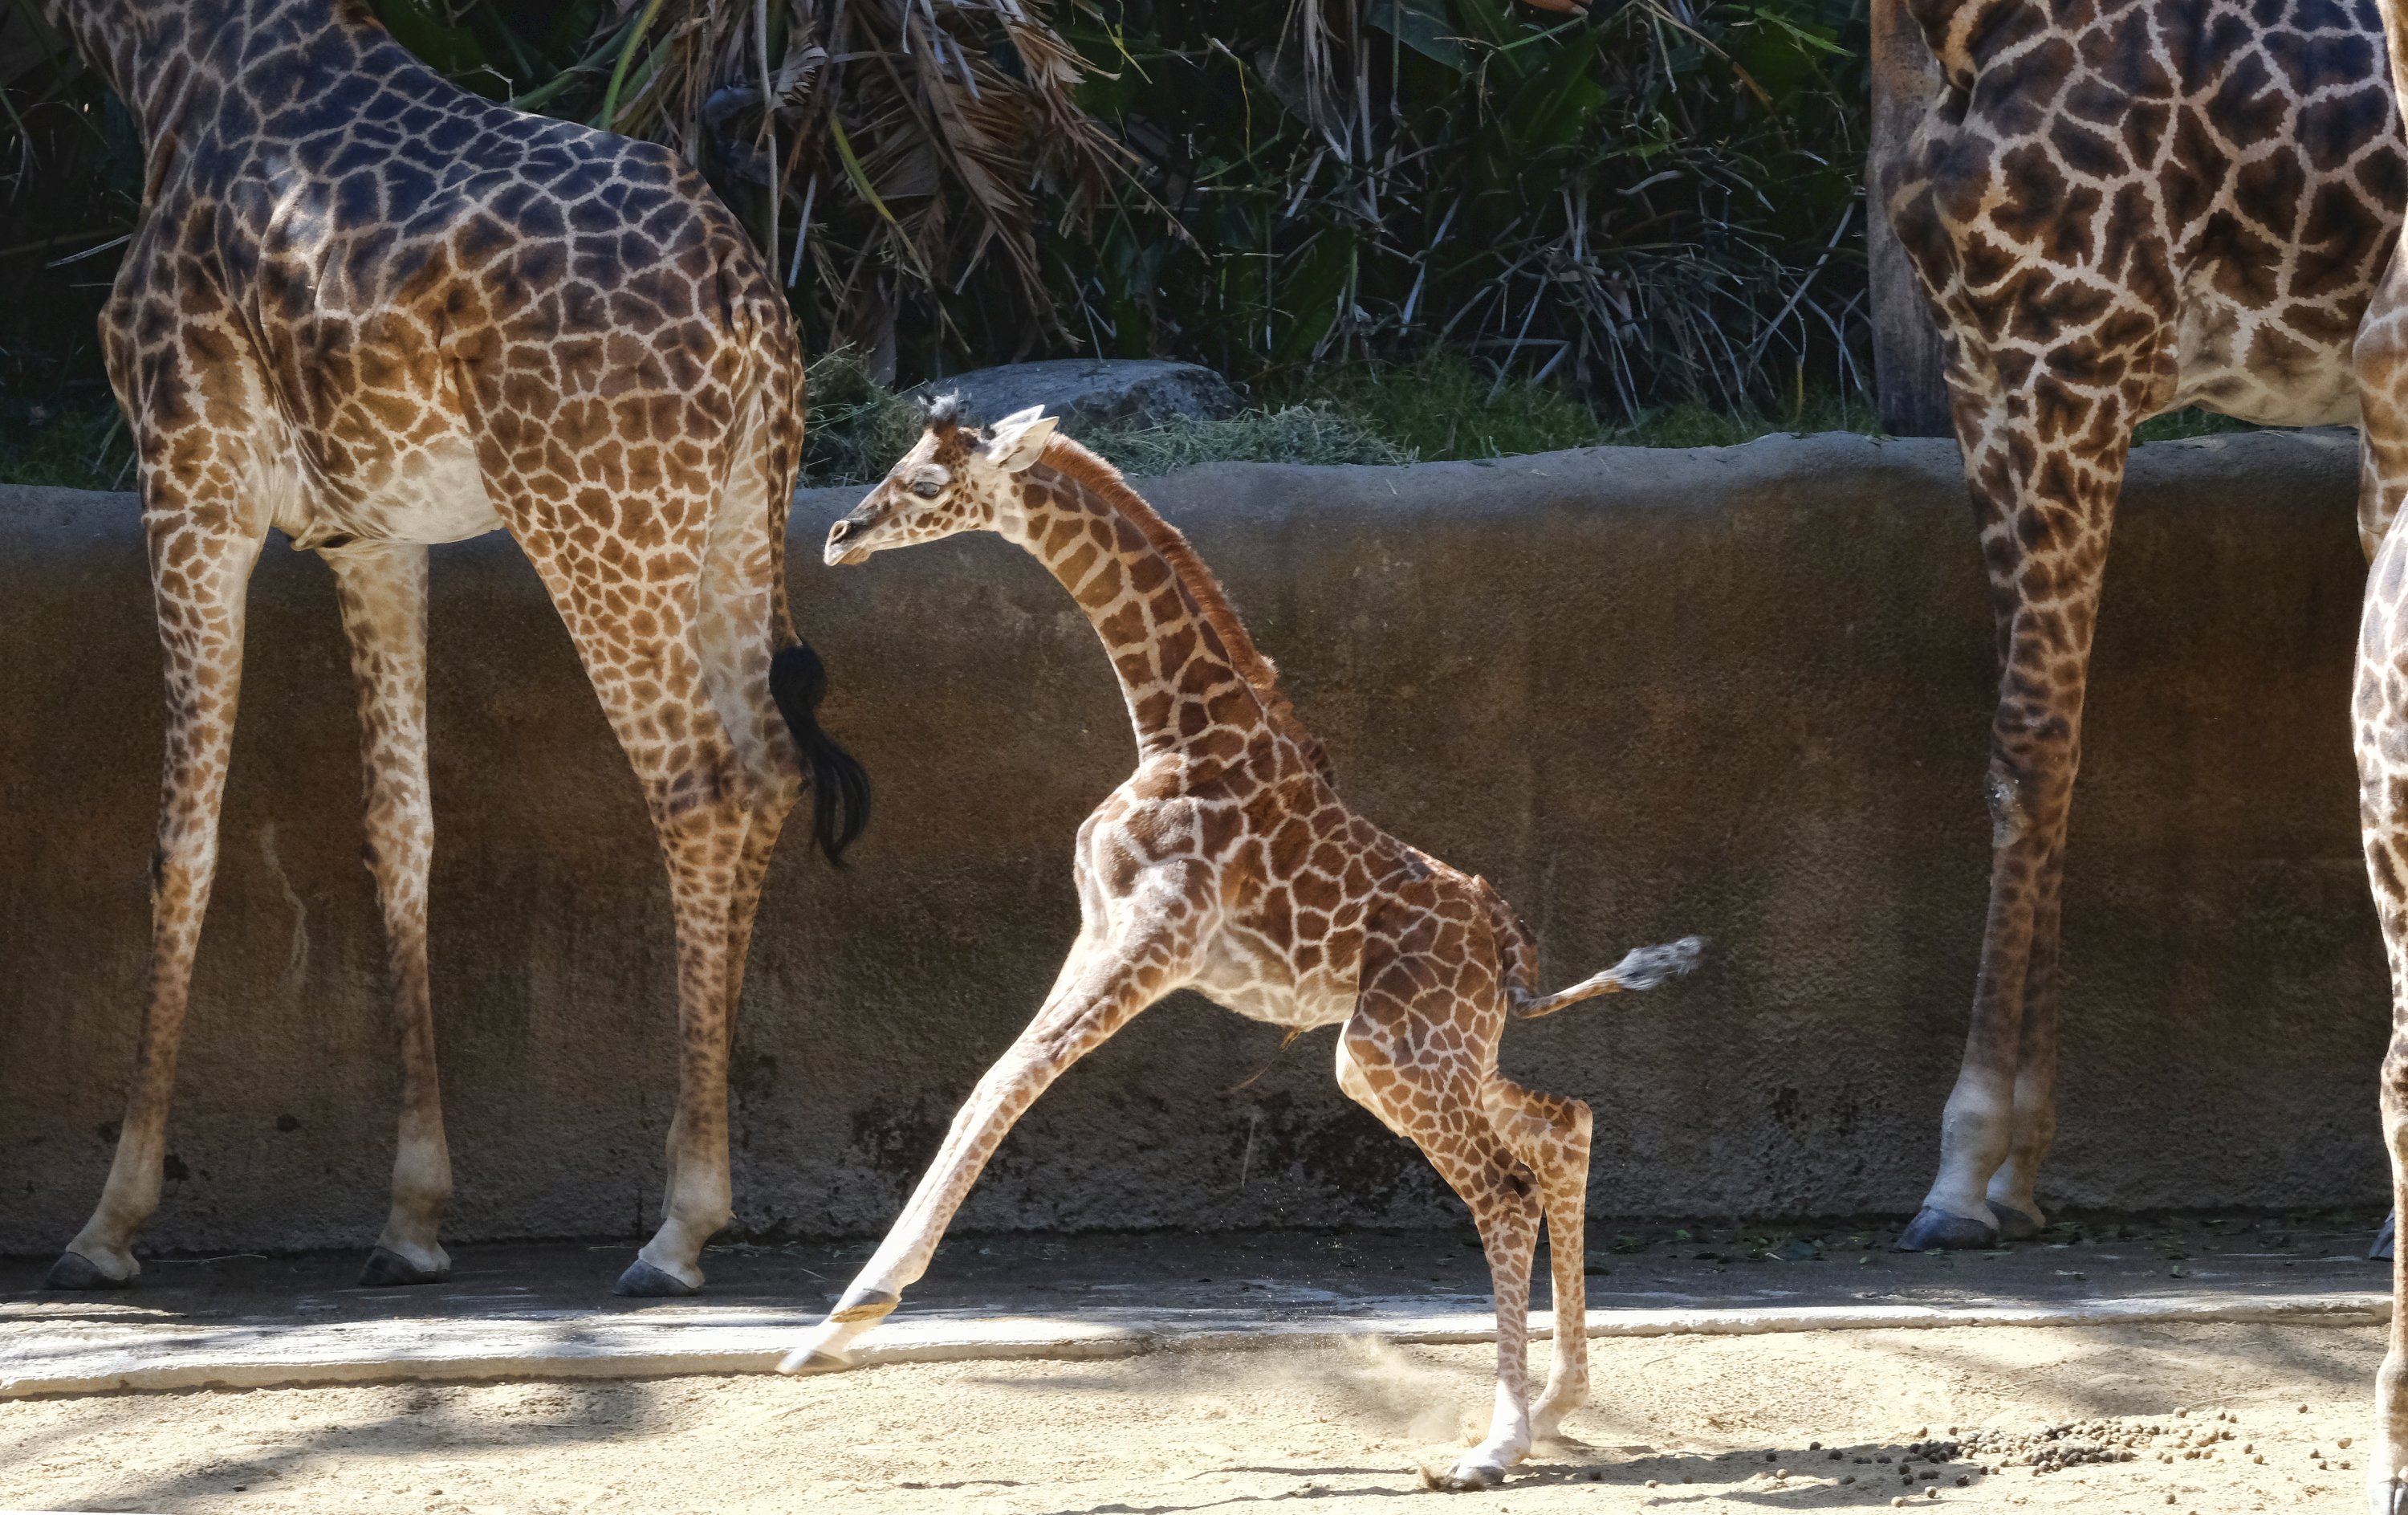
1908, 357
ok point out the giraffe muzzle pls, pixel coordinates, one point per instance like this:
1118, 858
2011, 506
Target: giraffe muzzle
846, 544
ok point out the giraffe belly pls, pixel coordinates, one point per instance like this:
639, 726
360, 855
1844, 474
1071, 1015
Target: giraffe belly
2245, 363
425, 492
1260, 984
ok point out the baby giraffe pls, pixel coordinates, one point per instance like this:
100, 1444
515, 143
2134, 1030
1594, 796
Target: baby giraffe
1227, 864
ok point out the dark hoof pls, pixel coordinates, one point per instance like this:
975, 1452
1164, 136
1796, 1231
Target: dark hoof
73, 1270
868, 1305
644, 1281
2380, 1251
1936, 1231
388, 1269
2016, 1224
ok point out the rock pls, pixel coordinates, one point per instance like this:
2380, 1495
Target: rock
1091, 393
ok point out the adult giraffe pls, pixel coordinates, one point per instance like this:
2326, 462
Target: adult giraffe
373, 311
2114, 211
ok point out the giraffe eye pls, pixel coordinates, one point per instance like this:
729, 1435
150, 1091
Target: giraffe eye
927, 488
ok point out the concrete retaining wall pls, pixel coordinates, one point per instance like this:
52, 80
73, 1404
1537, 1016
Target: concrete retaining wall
1739, 692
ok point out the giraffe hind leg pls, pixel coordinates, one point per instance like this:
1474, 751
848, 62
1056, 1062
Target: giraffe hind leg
1436, 1100
1550, 1133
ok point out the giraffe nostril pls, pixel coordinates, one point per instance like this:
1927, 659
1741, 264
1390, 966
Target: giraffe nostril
841, 530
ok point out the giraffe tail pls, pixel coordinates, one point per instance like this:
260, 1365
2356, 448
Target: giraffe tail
1642, 968
839, 785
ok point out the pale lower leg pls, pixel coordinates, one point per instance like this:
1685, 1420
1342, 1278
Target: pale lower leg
201, 635
2386, 1476
1098, 991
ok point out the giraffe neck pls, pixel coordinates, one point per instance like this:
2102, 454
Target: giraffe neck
167, 59
1193, 681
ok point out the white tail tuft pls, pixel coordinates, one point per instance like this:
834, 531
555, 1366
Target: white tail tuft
1643, 967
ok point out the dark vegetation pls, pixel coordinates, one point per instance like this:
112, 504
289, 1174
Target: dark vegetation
1410, 228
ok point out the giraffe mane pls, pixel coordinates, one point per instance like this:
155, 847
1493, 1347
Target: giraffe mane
1083, 467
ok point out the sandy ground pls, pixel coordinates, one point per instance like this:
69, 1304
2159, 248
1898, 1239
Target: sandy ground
1677, 1422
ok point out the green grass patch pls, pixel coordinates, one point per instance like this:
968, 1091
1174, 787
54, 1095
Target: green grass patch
84, 448
1318, 431
2191, 421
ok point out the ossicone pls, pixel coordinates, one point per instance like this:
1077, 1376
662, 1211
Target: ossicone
944, 412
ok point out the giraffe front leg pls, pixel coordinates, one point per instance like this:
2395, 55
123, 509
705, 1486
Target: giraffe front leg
2386, 1476
200, 565
2046, 513
382, 592
2380, 359
1108, 979
2379, 709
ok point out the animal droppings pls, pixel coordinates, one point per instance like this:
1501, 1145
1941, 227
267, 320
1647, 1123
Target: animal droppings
2343, 1443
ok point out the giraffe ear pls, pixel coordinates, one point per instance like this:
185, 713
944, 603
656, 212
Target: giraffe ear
1017, 439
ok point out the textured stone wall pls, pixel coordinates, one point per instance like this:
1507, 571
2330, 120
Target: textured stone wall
1741, 692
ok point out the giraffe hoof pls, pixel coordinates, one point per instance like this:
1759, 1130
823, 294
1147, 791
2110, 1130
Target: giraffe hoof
388, 1269
2015, 1223
1937, 1231
2381, 1251
1466, 1477
73, 1270
803, 1363
644, 1281
865, 1304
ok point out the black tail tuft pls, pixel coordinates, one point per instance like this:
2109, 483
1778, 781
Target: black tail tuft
1643, 967
839, 785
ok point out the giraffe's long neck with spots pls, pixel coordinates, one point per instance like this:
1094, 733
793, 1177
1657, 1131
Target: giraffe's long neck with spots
1182, 660
168, 59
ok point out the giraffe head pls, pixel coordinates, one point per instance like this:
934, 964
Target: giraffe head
956, 478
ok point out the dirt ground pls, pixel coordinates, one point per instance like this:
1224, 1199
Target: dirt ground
1676, 1422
